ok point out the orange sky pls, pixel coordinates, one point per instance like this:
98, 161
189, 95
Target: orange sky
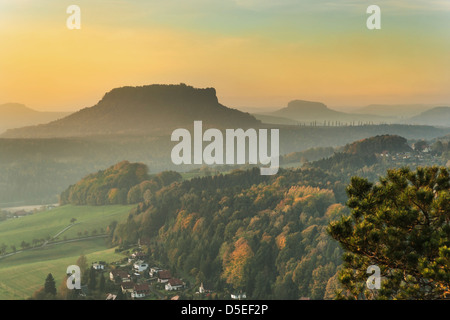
254, 53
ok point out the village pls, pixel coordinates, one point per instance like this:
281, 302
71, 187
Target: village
136, 279
420, 155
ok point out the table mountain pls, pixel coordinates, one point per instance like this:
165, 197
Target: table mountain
155, 109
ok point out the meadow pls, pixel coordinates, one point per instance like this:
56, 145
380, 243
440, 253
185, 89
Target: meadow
46, 224
24, 272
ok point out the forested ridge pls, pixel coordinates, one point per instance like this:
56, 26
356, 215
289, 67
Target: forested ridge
123, 183
243, 231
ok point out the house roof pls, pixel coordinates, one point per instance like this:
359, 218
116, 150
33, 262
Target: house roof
175, 282
120, 273
127, 285
164, 274
141, 287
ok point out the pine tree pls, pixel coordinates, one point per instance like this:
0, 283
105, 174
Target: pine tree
50, 286
102, 284
401, 225
92, 282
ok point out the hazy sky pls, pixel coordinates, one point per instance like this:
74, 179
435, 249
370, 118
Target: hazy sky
258, 53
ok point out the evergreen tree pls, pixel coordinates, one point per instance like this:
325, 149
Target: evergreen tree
102, 284
50, 286
401, 225
92, 282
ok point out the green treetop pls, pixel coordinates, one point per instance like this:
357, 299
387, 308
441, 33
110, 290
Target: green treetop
401, 225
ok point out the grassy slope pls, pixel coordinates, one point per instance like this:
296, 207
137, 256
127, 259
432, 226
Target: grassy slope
49, 223
25, 272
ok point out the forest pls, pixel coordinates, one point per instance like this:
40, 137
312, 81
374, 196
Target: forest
123, 183
267, 236
243, 231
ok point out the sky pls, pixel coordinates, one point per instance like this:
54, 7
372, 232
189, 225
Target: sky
256, 53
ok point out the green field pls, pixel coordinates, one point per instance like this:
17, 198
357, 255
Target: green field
48, 223
24, 272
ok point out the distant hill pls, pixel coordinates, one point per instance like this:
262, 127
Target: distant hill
302, 111
378, 144
307, 111
362, 153
401, 111
122, 183
14, 115
145, 109
438, 116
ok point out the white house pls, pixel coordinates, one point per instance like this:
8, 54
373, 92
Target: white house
140, 290
98, 266
119, 275
238, 296
174, 284
140, 266
164, 276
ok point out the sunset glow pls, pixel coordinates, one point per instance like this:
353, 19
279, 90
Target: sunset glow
254, 53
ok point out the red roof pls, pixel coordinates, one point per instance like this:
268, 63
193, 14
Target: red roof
164, 274
142, 287
127, 285
175, 282
120, 273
